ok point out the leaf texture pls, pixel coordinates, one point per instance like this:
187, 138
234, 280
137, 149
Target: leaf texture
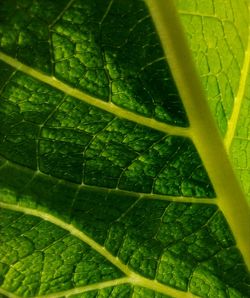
239, 146
105, 190
221, 54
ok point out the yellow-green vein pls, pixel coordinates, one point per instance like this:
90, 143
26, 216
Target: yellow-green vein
205, 135
149, 196
107, 106
8, 294
92, 287
232, 123
134, 278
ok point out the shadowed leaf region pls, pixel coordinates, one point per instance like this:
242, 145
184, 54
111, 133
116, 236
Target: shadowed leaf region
56, 134
107, 48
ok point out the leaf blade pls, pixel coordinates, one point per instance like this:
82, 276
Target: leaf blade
122, 221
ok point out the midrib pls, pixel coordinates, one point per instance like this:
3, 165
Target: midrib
91, 100
205, 135
133, 277
232, 123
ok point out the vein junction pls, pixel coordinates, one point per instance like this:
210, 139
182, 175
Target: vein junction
132, 277
211, 149
168, 129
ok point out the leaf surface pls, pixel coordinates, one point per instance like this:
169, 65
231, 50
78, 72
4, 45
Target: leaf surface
223, 53
109, 187
239, 146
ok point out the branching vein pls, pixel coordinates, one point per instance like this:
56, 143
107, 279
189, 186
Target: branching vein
134, 278
205, 135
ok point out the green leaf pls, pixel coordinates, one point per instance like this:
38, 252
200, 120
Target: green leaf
115, 179
223, 53
239, 146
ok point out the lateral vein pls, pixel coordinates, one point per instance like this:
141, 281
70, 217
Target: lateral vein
87, 288
91, 100
133, 277
8, 294
61, 13
149, 196
205, 135
232, 122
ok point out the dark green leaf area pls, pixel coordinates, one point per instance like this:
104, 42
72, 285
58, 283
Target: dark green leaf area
90, 209
95, 211
170, 166
121, 291
24, 99
113, 52
24, 30
179, 244
25, 105
44, 130
2, 161
6, 73
39, 258
109, 51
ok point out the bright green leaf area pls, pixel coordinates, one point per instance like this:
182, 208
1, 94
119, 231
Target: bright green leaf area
217, 32
240, 147
103, 192
218, 36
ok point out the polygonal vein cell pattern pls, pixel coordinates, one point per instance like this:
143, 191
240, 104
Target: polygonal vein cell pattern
109, 51
24, 30
240, 147
185, 246
217, 32
37, 257
89, 168
122, 291
61, 136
